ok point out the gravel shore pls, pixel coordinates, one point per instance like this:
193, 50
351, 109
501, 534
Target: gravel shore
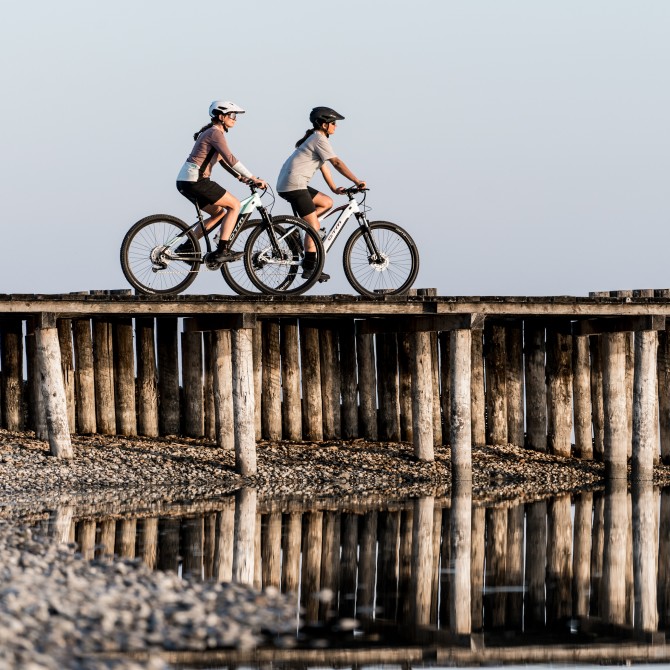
59, 611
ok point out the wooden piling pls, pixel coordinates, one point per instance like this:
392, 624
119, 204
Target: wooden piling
367, 385
168, 376
103, 364
84, 376
477, 390
348, 379
271, 421
12, 374
581, 393
663, 358
257, 335
614, 405
514, 382
386, 348
645, 414
460, 411
422, 398
37, 419
208, 401
67, 364
222, 374
597, 401
444, 342
330, 382
536, 386
437, 405
243, 402
191, 352
124, 376
290, 373
559, 393
312, 408
405, 386
496, 379
147, 378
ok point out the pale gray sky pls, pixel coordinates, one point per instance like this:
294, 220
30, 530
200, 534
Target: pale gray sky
524, 144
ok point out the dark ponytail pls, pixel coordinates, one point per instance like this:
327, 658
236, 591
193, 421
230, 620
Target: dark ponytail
307, 134
203, 129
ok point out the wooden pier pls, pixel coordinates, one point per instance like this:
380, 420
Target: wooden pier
427, 369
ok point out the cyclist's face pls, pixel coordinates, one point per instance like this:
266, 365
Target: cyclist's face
229, 120
331, 127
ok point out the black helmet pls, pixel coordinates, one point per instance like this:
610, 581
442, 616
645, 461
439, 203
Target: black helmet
321, 115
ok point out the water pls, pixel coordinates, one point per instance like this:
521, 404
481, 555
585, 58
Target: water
428, 581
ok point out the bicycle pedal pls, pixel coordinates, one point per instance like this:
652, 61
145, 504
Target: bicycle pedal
323, 278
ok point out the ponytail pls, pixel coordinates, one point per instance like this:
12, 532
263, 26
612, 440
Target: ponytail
203, 129
307, 134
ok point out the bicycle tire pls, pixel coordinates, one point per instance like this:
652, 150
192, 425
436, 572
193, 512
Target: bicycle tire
235, 274
280, 272
398, 269
144, 261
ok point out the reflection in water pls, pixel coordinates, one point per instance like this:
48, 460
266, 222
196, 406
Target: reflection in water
424, 570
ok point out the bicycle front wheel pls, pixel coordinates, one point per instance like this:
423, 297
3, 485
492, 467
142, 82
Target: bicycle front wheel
274, 257
235, 274
381, 260
149, 259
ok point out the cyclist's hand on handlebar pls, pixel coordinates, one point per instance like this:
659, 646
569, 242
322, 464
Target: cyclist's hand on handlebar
340, 190
361, 186
260, 183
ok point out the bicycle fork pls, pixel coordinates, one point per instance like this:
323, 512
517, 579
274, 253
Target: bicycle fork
374, 253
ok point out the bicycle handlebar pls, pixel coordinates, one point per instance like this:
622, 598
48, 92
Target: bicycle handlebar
355, 189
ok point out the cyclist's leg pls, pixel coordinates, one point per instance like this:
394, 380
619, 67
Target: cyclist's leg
231, 205
322, 202
207, 193
304, 207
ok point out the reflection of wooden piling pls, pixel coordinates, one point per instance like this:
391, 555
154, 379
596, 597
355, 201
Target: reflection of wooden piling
460, 419
613, 584
103, 363
645, 554
191, 352
460, 532
614, 403
330, 562
645, 410
106, 539
147, 378
244, 541
597, 550
422, 397
664, 565
496, 379
126, 535
312, 409
271, 422
193, 541
209, 546
12, 374
388, 572
349, 382
85, 538
367, 563
168, 375
124, 376
223, 549
243, 402
222, 375
477, 567
536, 386
271, 550
169, 531
536, 565
84, 376
330, 383
148, 541
349, 565
367, 385
60, 523
581, 392
514, 382
514, 567
559, 559
581, 560
559, 392
387, 388
291, 553
290, 373
496, 551
312, 542
422, 560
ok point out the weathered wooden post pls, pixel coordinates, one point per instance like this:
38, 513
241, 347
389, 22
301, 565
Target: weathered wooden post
387, 388
330, 382
614, 403
422, 397
664, 384
37, 416
103, 364
244, 542
12, 374
581, 559
645, 552
124, 376
348, 379
53, 388
460, 533
581, 393
514, 382
367, 383
444, 342
258, 378
496, 379
223, 389
630, 365
208, 402
167, 339
613, 583
271, 421
191, 354
460, 349
536, 385
477, 390
243, 402
405, 386
312, 408
84, 376
67, 362
645, 415
597, 396
147, 377
290, 373
559, 392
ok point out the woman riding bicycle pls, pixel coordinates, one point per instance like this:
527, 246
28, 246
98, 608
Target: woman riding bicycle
193, 180
313, 152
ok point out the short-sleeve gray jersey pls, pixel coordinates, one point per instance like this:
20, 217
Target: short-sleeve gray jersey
301, 165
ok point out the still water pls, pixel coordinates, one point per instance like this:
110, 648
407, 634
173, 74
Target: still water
428, 581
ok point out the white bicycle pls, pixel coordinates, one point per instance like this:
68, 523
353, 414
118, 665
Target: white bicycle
380, 258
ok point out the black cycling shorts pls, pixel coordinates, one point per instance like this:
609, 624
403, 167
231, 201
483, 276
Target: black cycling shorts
204, 192
301, 200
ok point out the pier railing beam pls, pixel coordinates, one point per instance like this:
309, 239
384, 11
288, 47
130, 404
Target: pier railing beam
53, 388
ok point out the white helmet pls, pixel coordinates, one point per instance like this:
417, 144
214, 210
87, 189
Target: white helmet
224, 107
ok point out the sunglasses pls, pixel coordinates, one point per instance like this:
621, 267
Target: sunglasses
232, 115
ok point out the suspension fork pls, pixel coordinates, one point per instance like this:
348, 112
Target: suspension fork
269, 224
369, 239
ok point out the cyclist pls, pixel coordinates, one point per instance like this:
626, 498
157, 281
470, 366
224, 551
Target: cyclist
313, 152
193, 180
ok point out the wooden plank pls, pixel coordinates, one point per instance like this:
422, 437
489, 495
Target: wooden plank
630, 324
422, 324
220, 322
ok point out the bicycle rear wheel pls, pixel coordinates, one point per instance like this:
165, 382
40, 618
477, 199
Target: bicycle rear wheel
235, 274
392, 271
149, 260
274, 257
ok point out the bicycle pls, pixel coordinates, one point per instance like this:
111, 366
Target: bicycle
380, 257
151, 263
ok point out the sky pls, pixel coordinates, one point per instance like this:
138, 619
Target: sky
523, 144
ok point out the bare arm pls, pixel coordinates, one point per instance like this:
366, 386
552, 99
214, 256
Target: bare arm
325, 171
345, 171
